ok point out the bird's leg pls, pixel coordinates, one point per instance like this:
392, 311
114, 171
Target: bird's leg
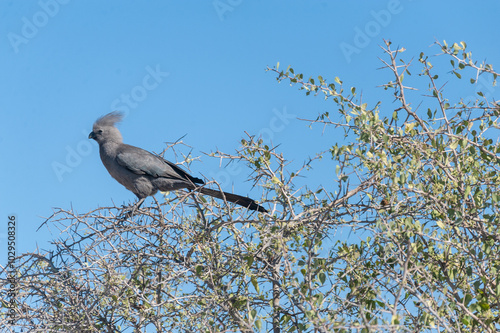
139, 203
135, 207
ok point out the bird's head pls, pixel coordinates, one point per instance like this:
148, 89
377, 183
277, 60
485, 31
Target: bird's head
104, 129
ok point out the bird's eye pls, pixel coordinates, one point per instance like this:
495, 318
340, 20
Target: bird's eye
99, 132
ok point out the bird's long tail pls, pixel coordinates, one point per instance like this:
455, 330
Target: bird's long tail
234, 198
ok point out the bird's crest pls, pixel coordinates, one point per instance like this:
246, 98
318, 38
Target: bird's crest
110, 119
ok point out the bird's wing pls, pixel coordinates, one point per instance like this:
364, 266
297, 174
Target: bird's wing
142, 162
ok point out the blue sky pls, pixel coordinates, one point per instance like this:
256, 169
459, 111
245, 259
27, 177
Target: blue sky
188, 68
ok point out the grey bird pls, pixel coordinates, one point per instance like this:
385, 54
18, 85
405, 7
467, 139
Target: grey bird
144, 173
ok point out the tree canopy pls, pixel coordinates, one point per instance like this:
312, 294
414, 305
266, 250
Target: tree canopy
407, 241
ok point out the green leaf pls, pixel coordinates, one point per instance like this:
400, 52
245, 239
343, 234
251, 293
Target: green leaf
467, 299
250, 260
252, 314
319, 299
467, 191
484, 306
322, 277
255, 284
258, 324
409, 127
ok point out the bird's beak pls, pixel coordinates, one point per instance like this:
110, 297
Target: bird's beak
92, 135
